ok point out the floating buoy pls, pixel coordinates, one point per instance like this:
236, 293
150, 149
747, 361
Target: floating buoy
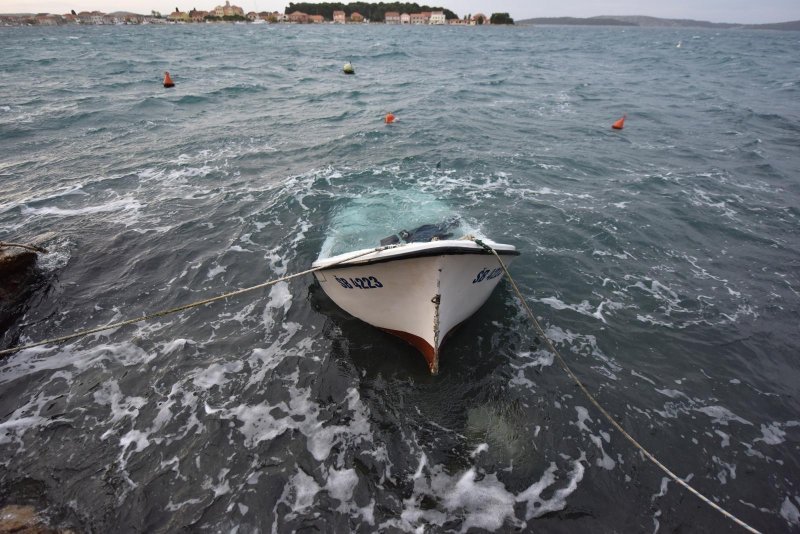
348, 68
619, 124
389, 118
168, 81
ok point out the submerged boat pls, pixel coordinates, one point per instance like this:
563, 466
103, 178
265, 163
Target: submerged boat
417, 285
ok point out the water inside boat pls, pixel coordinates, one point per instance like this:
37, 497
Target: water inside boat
395, 217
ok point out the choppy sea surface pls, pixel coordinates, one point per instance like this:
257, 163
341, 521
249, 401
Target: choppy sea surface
663, 261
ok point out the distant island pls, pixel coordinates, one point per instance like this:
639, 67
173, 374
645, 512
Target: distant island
655, 22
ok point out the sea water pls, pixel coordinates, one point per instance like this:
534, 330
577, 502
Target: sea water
662, 261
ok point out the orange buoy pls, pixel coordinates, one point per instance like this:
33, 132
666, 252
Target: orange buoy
389, 118
619, 124
168, 81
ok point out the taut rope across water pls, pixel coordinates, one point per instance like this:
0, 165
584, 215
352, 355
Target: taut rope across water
602, 410
176, 309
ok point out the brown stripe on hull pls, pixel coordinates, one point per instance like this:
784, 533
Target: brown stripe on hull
431, 355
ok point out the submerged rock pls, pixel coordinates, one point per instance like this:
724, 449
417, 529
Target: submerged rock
502, 429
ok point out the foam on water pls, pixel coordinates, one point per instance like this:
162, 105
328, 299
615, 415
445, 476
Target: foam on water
480, 501
120, 205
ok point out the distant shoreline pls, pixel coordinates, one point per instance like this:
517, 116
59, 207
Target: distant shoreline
125, 18
654, 22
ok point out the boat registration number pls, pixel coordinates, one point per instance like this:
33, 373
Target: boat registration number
486, 274
365, 282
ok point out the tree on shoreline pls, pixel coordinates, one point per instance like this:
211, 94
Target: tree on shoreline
226, 18
501, 18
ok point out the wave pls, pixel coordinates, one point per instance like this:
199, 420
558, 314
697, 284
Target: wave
112, 206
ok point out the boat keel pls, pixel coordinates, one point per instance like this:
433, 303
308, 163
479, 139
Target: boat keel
431, 354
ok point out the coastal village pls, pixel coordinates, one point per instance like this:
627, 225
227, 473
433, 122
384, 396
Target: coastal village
233, 13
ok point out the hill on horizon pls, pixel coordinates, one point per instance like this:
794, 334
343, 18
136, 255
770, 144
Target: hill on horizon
655, 22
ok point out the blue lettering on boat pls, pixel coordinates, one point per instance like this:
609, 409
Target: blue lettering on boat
364, 282
487, 274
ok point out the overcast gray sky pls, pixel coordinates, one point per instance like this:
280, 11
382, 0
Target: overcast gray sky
740, 11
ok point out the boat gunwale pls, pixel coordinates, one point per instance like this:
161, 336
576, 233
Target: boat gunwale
402, 252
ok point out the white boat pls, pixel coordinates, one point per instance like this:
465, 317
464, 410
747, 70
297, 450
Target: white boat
418, 291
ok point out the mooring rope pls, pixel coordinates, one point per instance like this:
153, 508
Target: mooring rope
162, 313
602, 410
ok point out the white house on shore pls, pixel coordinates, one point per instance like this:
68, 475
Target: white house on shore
426, 17
437, 17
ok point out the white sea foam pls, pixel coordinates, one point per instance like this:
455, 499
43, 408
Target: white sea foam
584, 308
530, 360
280, 298
176, 345
726, 439
721, 416
220, 486
605, 461
72, 357
244, 315
487, 503
302, 489
423, 462
482, 447
657, 290
12, 429
214, 374
702, 199
649, 319
672, 393
701, 272
772, 434
728, 470
741, 311
215, 271
120, 405
262, 422
639, 375
341, 484
174, 507
537, 506
124, 204
63, 366
662, 489
624, 255
266, 359
790, 512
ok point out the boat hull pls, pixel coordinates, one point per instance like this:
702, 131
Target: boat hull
419, 294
